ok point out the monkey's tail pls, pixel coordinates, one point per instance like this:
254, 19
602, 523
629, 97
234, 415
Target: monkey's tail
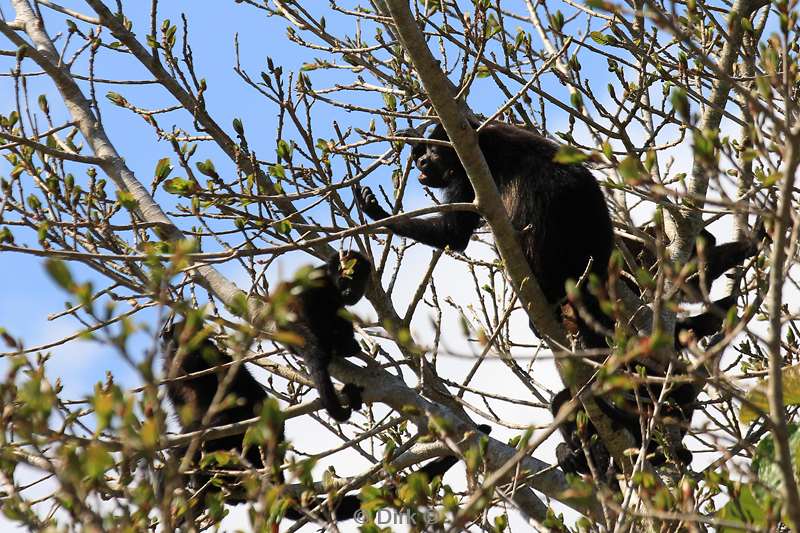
327, 393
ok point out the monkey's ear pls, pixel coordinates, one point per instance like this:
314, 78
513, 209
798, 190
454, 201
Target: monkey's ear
410, 132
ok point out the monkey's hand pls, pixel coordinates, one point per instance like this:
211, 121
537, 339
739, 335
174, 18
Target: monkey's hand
369, 204
353, 393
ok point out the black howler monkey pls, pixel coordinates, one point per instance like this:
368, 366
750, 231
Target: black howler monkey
189, 351
558, 209
316, 315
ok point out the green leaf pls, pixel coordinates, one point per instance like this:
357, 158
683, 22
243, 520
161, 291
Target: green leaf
757, 397
631, 169
34, 202
744, 509
600, 38
181, 186
568, 155
284, 227
284, 150
127, 200
238, 127
163, 168
58, 272
207, 168
557, 21
97, 461
116, 99
680, 103
500, 523
43, 104
6, 236
277, 171
36, 398
608, 150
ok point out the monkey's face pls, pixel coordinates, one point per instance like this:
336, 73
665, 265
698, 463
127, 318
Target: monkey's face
350, 273
438, 165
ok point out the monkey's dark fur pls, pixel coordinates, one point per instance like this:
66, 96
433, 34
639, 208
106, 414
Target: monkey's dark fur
318, 318
187, 351
558, 209
624, 410
563, 223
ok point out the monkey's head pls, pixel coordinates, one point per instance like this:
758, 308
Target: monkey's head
189, 340
349, 271
438, 165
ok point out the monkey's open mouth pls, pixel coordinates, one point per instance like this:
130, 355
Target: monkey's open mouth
429, 180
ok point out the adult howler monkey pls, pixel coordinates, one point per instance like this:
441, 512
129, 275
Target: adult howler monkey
558, 209
189, 351
624, 408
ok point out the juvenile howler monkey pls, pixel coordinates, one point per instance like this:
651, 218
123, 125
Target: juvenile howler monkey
189, 351
317, 316
558, 209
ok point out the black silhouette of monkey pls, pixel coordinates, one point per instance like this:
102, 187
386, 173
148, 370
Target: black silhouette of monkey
315, 303
189, 352
558, 209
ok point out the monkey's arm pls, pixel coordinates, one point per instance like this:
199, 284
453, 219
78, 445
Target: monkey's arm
317, 358
451, 229
725, 256
707, 323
